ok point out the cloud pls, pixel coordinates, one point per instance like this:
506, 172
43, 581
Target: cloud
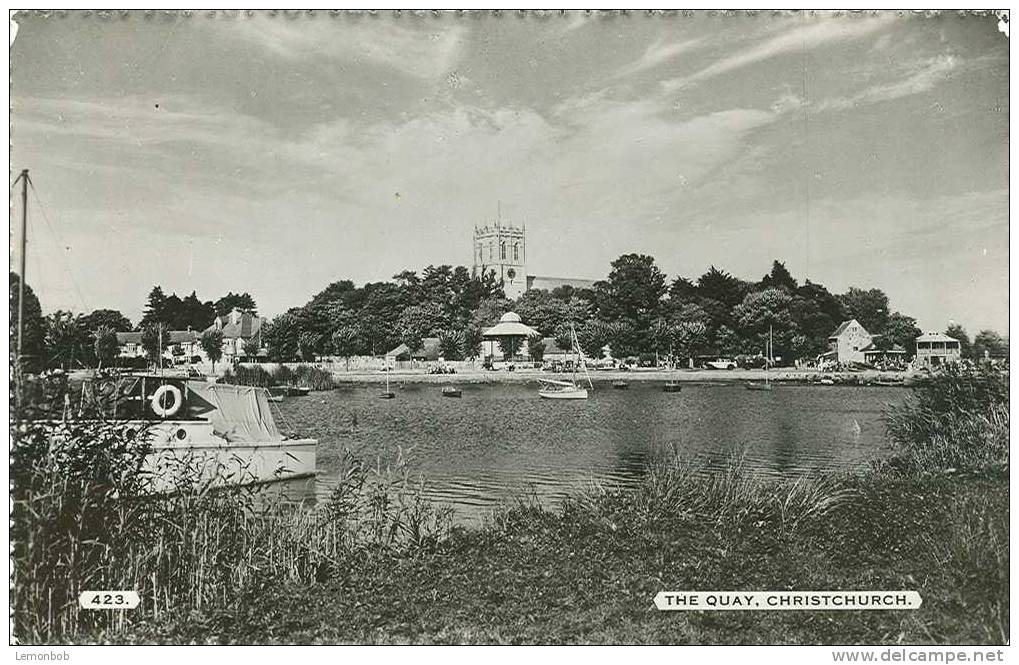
657, 54
419, 47
924, 76
812, 34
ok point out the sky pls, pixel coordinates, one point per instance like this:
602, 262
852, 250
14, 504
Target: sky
277, 154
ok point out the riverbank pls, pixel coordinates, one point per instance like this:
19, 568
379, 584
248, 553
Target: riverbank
528, 375
589, 573
377, 563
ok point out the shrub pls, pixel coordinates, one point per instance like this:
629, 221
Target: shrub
955, 420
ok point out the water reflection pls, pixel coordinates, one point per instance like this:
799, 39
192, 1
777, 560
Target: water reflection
501, 441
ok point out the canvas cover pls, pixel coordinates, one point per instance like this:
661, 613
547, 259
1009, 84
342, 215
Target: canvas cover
237, 413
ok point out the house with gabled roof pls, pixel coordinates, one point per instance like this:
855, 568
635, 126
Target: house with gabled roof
848, 341
238, 327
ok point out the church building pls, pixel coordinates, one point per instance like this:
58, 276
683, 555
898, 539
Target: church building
502, 248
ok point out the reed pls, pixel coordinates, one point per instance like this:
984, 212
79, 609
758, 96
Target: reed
82, 519
954, 421
249, 375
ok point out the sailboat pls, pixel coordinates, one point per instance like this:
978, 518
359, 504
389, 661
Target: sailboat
553, 389
388, 394
753, 385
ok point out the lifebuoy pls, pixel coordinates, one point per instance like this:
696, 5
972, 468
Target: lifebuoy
176, 401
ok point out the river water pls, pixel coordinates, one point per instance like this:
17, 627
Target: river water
501, 441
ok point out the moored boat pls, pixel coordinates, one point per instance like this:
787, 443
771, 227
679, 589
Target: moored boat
451, 391
552, 389
620, 385
203, 433
673, 386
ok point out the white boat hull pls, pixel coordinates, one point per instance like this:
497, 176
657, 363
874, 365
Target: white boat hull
188, 453
578, 393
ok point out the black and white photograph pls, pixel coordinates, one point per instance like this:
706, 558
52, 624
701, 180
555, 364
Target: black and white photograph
509, 327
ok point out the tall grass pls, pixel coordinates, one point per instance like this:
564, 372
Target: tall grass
956, 420
84, 518
308, 376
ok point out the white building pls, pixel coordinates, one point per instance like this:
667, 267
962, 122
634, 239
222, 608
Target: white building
848, 341
934, 349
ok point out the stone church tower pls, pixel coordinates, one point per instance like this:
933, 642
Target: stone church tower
501, 248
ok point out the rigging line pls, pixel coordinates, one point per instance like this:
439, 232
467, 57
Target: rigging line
55, 237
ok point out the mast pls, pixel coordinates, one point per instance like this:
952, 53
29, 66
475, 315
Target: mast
21, 268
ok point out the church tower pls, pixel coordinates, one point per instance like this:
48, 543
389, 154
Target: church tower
501, 248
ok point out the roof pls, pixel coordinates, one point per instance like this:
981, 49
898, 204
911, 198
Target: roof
429, 350
935, 337
896, 349
842, 327
247, 324
172, 337
509, 326
551, 283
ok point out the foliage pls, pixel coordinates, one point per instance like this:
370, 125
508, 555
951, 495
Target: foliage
34, 332
955, 331
988, 343
176, 313
232, 301
472, 338
105, 345
510, 345
451, 344
68, 343
633, 291
593, 336
869, 307
900, 330
957, 419
536, 347
346, 340
106, 317
211, 342
155, 338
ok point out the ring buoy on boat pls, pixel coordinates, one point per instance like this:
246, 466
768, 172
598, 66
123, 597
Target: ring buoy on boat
176, 401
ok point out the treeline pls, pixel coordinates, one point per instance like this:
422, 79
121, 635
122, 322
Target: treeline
636, 311
68, 340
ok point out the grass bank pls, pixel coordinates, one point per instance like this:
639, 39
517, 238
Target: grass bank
378, 564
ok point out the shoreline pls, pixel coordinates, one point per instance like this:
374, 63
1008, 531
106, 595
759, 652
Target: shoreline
524, 376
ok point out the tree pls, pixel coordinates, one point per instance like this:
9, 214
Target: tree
720, 286
690, 338
193, 314
901, 330
624, 339
633, 290
536, 347
34, 332
280, 337
955, 331
766, 312
661, 335
451, 344
778, 278
105, 344
154, 339
106, 317
541, 310
307, 345
472, 339
211, 342
67, 343
231, 301
869, 307
155, 308
593, 336
420, 321
563, 337
252, 348
510, 345
987, 344
345, 340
